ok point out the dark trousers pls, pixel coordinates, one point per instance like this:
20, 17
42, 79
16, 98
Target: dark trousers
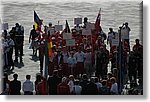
10, 59
132, 73
41, 58
18, 51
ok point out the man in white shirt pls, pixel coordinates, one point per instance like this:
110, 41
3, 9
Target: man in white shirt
77, 88
125, 33
99, 85
88, 62
28, 86
71, 83
111, 35
65, 68
11, 44
114, 87
50, 29
4, 51
80, 61
72, 63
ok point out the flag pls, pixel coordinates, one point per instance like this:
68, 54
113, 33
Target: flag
37, 21
50, 45
67, 28
97, 23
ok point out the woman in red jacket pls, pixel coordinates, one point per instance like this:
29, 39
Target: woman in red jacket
63, 87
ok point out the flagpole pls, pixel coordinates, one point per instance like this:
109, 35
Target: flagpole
100, 14
120, 61
46, 64
100, 11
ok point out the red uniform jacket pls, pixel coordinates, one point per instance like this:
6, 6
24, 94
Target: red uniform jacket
63, 89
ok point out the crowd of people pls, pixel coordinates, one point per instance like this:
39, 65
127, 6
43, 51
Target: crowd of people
81, 69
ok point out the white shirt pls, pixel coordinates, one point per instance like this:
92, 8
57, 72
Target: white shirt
79, 56
5, 45
110, 36
77, 89
65, 57
10, 43
98, 85
71, 84
114, 88
72, 61
28, 86
88, 57
50, 30
59, 59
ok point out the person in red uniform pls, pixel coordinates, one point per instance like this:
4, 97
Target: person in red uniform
138, 51
63, 87
138, 48
99, 42
6, 84
42, 87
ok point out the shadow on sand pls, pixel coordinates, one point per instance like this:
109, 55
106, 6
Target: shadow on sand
34, 58
9, 72
19, 65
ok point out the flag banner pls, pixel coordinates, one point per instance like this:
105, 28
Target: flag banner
77, 21
50, 46
4, 26
58, 27
37, 21
97, 22
86, 31
70, 42
67, 36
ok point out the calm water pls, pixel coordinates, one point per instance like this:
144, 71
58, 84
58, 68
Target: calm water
114, 13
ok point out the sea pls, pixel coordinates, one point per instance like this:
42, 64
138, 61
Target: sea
113, 13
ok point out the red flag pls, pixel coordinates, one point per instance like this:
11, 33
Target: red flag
97, 23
